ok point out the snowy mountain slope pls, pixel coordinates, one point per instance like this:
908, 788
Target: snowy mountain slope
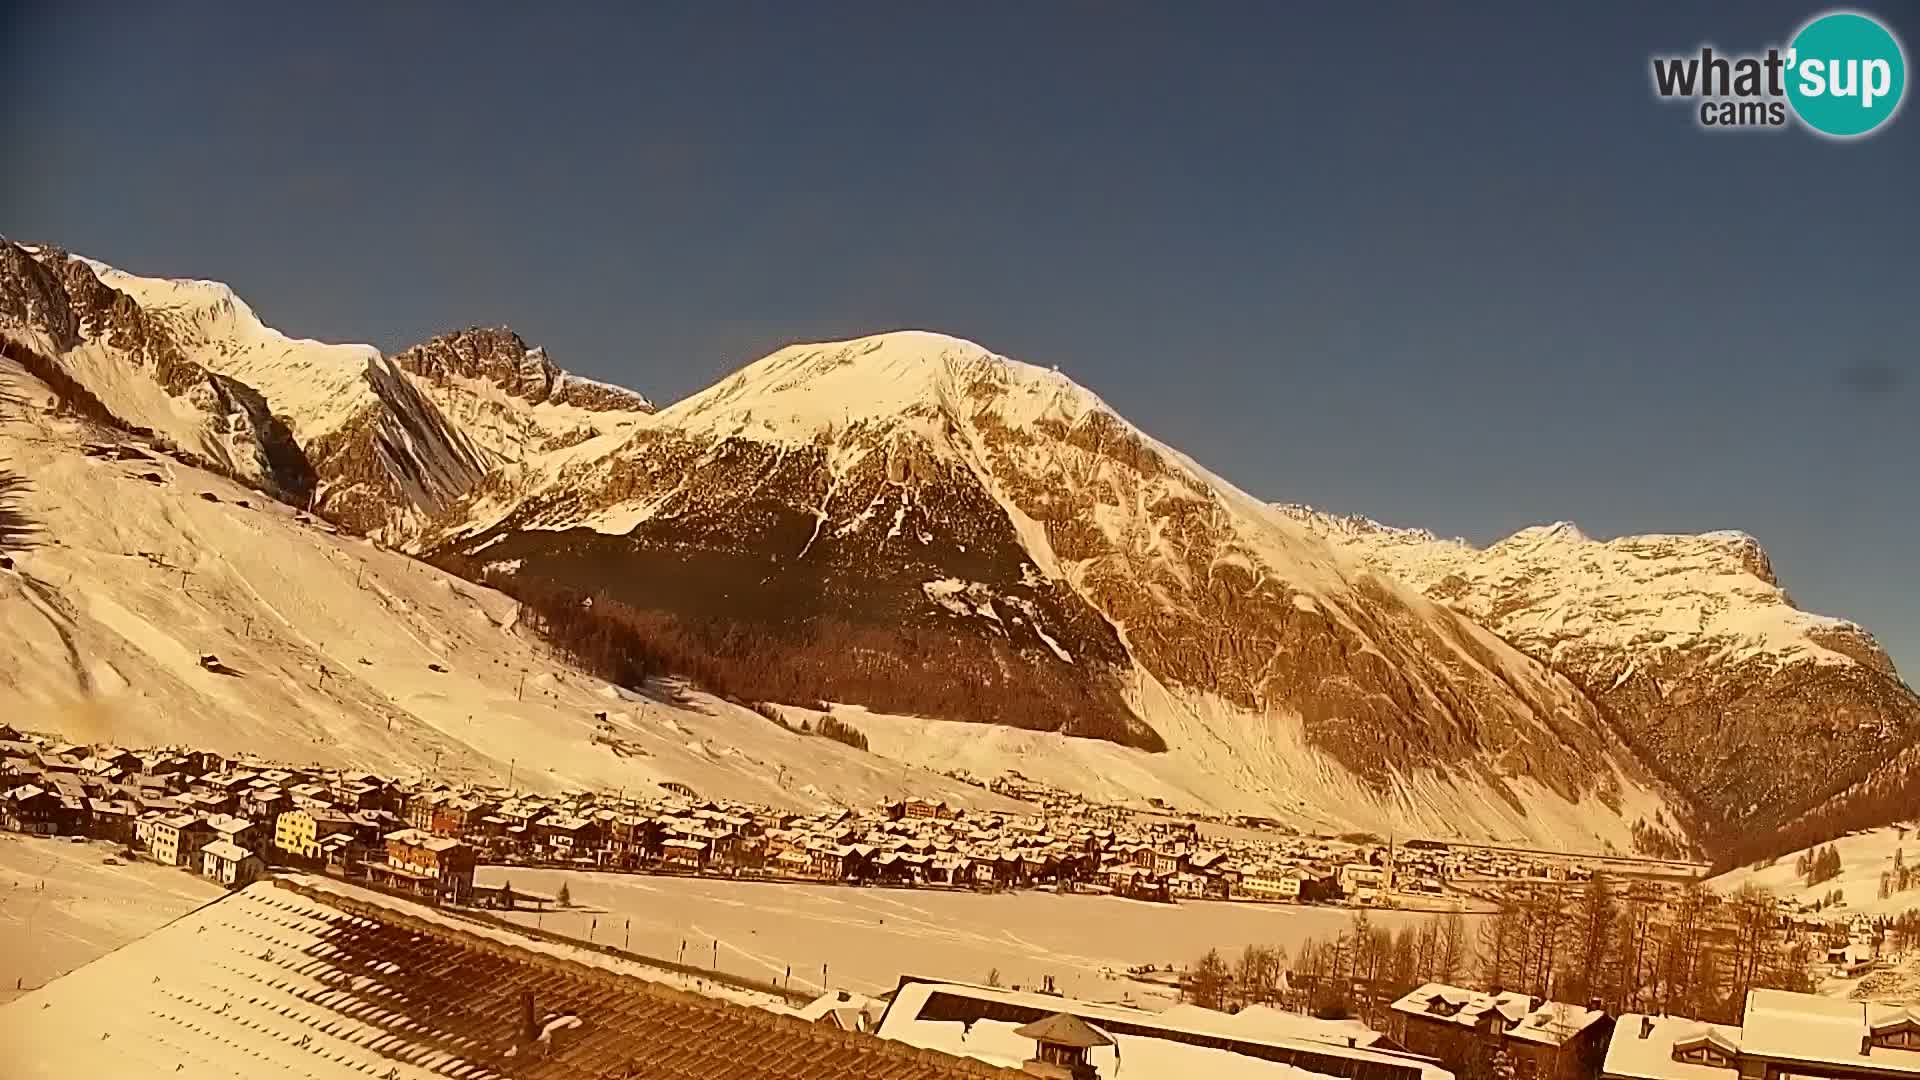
1758, 711
386, 457
120, 584
379, 444
920, 496
56, 314
1864, 857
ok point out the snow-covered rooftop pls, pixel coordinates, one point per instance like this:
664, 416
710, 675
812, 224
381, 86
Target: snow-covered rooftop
1152, 1046
272, 982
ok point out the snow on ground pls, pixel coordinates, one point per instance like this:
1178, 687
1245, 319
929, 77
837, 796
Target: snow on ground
124, 583
588, 957
1864, 856
61, 906
869, 937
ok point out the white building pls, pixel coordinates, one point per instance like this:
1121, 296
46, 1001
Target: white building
230, 864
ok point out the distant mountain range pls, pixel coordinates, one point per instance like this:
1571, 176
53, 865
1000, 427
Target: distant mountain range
911, 523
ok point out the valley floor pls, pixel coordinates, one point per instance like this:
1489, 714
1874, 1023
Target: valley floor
868, 937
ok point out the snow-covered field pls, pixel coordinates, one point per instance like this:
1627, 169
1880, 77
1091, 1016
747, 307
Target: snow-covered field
1864, 856
61, 906
869, 937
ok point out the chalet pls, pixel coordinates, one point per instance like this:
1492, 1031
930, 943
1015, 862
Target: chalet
230, 864
32, 809
342, 853
241, 832
163, 763
828, 860
1781, 1034
456, 815
569, 837
1464, 1029
422, 805
684, 853
111, 820
360, 791
432, 866
210, 801
1852, 960
265, 803
16, 769
1187, 886
176, 839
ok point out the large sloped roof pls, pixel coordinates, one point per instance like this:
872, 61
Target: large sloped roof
281, 982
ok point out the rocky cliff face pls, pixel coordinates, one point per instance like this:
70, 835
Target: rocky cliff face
913, 480
510, 399
58, 309
1757, 710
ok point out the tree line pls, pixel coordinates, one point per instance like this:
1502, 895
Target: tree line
897, 668
1693, 953
1332, 978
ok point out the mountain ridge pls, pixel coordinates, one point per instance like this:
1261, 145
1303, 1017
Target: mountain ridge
896, 444
1690, 643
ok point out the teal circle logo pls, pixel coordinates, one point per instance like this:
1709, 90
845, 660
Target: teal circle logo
1846, 74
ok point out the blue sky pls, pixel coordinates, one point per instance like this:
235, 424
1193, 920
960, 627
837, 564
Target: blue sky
1445, 265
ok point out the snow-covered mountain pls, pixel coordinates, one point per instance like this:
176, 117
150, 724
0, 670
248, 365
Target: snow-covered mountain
102, 345
986, 540
1758, 710
380, 444
126, 566
982, 553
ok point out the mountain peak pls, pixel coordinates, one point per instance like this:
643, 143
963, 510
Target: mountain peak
496, 356
911, 378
